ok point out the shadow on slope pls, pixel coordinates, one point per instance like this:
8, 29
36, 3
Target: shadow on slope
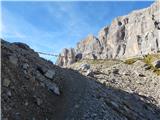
24, 97
80, 94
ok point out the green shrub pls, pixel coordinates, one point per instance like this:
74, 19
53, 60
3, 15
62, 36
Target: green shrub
148, 59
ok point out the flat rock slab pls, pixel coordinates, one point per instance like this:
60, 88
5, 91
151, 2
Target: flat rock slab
50, 74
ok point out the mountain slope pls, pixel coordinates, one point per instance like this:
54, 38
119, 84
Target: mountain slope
35, 89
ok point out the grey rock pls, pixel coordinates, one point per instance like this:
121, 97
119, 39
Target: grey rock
76, 106
26, 103
50, 73
9, 93
25, 72
25, 66
90, 73
13, 59
17, 116
33, 118
40, 77
38, 101
42, 69
85, 67
45, 82
53, 88
42, 84
6, 82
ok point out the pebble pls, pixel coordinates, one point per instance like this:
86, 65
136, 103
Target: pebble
9, 93
39, 101
25, 66
76, 106
6, 82
26, 103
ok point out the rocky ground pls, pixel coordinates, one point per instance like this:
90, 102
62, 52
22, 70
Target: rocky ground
36, 89
137, 87
134, 78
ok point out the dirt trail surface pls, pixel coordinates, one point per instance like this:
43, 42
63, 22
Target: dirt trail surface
35, 89
69, 105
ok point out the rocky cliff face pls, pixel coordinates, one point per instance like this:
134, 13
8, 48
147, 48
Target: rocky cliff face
135, 34
67, 57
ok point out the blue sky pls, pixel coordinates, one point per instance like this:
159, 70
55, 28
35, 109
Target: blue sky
51, 26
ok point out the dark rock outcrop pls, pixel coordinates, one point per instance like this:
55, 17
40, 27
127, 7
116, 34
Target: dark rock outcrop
28, 83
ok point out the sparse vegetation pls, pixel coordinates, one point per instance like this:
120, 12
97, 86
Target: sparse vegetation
98, 61
131, 61
149, 59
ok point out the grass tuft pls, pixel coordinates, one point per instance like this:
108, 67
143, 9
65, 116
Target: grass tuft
149, 59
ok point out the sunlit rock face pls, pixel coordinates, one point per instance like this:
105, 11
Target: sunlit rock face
67, 57
135, 34
90, 47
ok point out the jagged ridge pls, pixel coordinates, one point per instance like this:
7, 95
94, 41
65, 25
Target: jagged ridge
135, 34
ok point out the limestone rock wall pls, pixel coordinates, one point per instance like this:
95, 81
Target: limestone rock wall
66, 57
135, 34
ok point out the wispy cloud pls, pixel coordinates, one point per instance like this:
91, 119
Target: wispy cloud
74, 21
